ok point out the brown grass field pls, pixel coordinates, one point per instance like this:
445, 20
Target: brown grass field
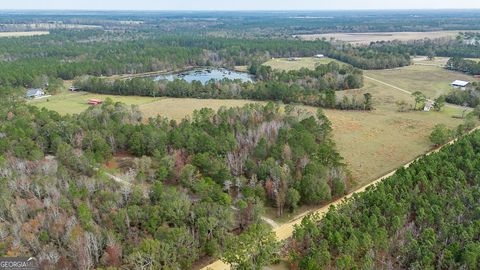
305, 62
432, 80
23, 34
367, 38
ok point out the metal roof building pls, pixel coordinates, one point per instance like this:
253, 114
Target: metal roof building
459, 83
34, 93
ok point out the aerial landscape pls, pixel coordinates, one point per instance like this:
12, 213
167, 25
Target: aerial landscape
253, 135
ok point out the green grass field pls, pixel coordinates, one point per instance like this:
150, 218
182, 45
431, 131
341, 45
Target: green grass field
433, 81
76, 102
305, 62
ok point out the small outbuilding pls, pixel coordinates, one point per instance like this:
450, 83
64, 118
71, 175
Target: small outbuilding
95, 101
74, 88
320, 56
460, 84
35, 93
428, 106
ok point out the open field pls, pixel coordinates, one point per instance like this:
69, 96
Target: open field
23, 34
437, 61
433, 81
304, 62
367, 38
76, 102
178, 108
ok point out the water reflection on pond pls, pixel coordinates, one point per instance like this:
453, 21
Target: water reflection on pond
204, 75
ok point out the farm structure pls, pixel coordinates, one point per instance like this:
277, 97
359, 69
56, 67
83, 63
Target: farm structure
459, 84
35, 93
95, 101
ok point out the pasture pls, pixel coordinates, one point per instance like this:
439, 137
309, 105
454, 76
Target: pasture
431, 80
424, 61
367, 38
304, 62
76, 102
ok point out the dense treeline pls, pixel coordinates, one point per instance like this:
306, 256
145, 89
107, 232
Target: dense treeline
464, 65
68, 54
311, 87
189, 185
469, 97
371, 57
250, 24
423, 217
464, 45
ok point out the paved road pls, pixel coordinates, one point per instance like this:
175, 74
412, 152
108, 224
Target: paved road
285, 231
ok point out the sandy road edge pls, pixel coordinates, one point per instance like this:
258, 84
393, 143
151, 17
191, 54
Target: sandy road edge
285, 231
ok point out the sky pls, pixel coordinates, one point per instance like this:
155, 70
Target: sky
237, 4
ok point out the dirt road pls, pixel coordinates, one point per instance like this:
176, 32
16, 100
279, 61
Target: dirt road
405, 91
285, 231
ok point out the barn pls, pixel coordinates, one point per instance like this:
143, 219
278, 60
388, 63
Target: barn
95, 101
460, 84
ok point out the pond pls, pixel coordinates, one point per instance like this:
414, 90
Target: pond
204, 75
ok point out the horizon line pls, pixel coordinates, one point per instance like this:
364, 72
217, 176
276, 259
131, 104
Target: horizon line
248, 10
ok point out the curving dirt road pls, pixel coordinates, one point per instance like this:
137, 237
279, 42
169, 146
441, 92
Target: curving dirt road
285, 231
406, 91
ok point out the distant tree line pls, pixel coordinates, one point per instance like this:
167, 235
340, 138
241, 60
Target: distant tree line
370, 57
69, 54
464, 65
463, 46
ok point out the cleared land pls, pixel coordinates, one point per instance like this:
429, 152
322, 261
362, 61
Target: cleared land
76, 102
23, 34
366, 38
431, 80
305, 62
178, 108
437, 61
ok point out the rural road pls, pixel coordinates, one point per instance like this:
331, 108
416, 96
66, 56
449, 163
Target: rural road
285, 231
389, 85
406, 91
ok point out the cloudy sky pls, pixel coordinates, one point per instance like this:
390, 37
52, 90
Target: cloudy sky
238, 5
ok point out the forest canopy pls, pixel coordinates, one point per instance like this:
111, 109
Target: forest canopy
423, 217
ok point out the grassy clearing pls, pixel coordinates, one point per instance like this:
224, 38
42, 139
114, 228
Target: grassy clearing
178, 108
366, 38
76, 102
433, 81
305, 62
23, 34
437, 61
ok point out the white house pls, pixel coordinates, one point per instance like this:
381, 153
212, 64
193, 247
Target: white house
320, 56
460, 84
35, 93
